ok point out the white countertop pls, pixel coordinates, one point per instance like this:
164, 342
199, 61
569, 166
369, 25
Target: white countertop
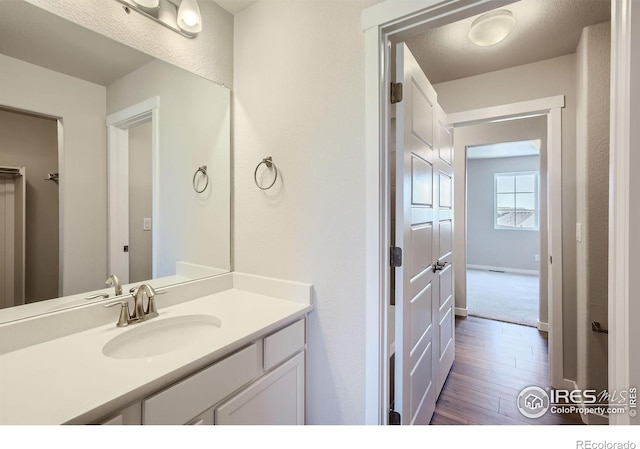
70, 380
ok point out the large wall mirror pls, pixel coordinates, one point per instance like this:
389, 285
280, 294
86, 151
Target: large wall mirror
111, 163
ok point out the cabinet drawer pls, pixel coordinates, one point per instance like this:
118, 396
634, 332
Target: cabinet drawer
282, 344
185, 400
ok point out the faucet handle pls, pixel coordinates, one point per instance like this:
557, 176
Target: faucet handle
99, 295
125, 316
152, 310
151, 305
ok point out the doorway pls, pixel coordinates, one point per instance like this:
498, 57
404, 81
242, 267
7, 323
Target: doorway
133, 207
506, 210
140, 201
29, 211
384, 27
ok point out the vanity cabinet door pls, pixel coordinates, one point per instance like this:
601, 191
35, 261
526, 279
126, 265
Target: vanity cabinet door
206, 419
131, 415
276, 398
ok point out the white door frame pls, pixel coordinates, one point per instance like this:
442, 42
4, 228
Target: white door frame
391, 19
118, 125
623, 213
550, 107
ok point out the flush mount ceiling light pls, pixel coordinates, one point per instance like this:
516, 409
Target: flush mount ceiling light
492, 28
181, 16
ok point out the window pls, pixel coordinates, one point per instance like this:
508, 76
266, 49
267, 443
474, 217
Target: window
516, 200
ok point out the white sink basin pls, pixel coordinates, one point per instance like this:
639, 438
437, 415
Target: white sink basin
160, 336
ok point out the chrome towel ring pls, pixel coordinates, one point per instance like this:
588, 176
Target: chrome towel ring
203, 170
268, 161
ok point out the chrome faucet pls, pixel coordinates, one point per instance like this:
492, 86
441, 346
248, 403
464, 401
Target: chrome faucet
139, 313
113, 280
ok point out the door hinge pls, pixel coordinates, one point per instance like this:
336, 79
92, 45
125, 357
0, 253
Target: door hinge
394, 418
125, 249
396, 257
551, 259
396, 93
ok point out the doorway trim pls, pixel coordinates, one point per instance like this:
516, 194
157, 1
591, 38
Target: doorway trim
622, 211
118, 125
551, 107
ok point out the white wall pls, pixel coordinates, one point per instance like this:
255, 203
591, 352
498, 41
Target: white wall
486, 245
299, 97
194, 131
83, 182
547, 78
209, 55
592, 170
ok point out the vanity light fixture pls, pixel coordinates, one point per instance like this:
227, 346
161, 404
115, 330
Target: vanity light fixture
492, 28
189, 17
149, 4
181, 16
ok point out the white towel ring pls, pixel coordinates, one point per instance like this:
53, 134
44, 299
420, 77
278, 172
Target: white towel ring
203, 170
268, 161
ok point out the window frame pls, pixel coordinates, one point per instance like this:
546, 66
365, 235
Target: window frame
536, 200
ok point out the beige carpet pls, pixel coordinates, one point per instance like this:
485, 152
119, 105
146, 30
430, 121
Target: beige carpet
503, 296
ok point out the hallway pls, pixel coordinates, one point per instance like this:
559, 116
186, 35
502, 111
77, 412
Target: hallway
494, 362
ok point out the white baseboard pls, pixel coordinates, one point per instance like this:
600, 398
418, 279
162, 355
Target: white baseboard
587, 418
506, 270
460, 311
544, 327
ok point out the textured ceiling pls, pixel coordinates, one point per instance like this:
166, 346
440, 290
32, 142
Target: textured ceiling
39, 37
545, 29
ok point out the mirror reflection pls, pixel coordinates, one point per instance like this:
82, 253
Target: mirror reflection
111, 163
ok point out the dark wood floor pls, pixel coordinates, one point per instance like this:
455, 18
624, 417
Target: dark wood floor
494, 362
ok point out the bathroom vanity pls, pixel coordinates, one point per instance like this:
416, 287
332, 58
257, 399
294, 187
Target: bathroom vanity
230, 349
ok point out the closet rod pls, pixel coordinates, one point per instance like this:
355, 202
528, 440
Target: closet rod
10, 171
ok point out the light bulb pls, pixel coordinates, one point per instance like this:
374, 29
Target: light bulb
189, 18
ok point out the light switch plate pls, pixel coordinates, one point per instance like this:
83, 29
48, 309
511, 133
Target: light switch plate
579, 232
146, 225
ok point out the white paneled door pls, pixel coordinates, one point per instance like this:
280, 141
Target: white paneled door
424, 340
